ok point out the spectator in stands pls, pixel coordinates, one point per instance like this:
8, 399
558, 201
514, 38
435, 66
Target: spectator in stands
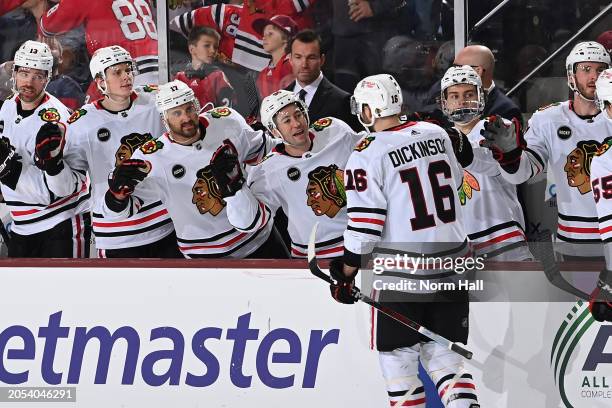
361, 28
277, 33
63, 87
208, 82
322, 97
605, 39
481, 59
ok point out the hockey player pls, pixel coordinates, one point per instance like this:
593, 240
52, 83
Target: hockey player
601, 182
401, 184
558, 137
44, 224
175, 168
126, 23
303, 175
495, 220
103, 136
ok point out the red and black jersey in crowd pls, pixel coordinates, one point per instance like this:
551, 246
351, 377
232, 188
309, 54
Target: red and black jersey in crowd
209, 84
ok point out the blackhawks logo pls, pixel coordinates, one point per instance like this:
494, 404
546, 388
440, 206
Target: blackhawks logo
151, 146
220, 112
364, 143
321, 124
468, 185
49, 115
325, 190
76, 115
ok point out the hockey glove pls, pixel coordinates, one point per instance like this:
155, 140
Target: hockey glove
461, 146
226, 169
506, 142
10, 166
49, 149
344, 290
601, 298
124, 179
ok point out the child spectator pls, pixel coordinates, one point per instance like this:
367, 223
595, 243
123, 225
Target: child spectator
276, 33
208, 82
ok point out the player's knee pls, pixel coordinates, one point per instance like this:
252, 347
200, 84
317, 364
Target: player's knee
455, 386
400, 368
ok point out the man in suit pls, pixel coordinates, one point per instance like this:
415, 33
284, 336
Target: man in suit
322, 97
482, 60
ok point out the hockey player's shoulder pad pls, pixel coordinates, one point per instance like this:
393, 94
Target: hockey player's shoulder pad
321, 124
220, 112
364, 143
76, 115
151, 146
542, 108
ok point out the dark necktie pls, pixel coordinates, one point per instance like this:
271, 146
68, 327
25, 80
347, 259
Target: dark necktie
302, 95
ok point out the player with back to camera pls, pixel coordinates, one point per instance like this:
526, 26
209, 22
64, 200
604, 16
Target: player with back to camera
401, 185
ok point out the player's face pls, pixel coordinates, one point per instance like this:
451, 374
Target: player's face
292, 125
122, 154
273, 38
461, 96
119, 80
30, 83
183, 121
586, 75
205, 50
574, 167
306, 61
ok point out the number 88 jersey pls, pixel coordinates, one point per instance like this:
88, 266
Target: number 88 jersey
128, 23
401, 187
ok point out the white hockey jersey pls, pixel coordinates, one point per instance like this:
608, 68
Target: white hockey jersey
33, 206
309, 189
601, 183
559, 138
401, 187
491, 210
180, 177
100, 140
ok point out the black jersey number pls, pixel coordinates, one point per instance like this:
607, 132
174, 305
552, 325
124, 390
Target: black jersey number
423, 219
356, 180
602, 188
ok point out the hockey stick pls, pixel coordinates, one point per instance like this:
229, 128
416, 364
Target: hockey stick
551, 268
444, 342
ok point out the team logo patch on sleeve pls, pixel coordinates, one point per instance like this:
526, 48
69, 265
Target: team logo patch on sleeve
151, 146
49, 115
364, 143
76, 115
219, 112
469, 184
325, 190
321, 124
150, 88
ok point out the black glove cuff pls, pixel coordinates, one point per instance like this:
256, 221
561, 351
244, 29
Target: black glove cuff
336, 270
113, 203
11, 177
54, 168
466, 155
511, 160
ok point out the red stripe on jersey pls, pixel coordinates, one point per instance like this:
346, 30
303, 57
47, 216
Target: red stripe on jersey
263, 214
580, 230
604, 230
133, 222
499, 239
55, 204
458, 385
25, 212
226, 244
409, 403
368, 220
321, 252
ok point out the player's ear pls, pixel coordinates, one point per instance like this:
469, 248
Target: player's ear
100, 82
